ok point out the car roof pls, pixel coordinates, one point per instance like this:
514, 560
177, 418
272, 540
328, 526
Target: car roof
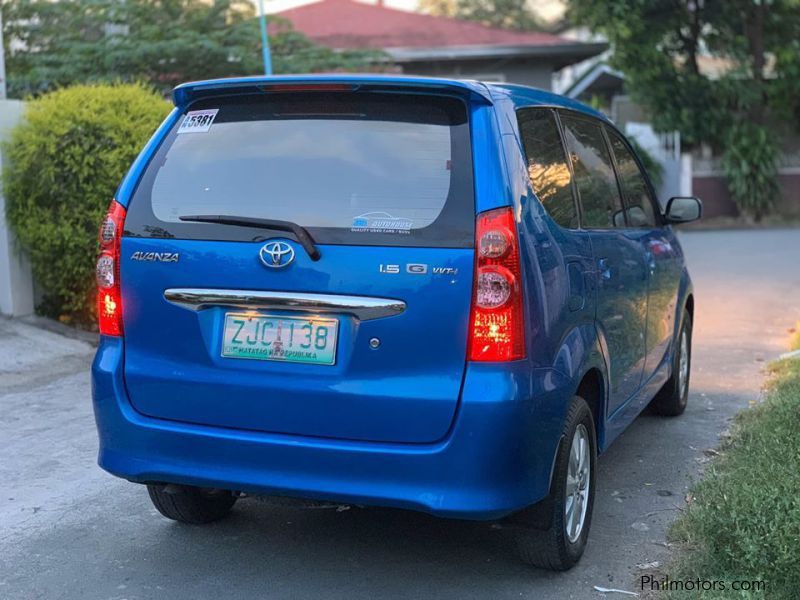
518, 95
186, 92
522, 96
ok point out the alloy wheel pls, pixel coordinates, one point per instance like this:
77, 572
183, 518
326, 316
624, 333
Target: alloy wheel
578, 482
683, 364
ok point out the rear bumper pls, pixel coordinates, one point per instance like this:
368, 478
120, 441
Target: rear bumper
496, 458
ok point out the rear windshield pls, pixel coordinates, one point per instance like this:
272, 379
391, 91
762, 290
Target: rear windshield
353, 168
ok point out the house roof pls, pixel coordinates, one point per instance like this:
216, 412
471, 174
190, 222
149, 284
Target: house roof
601, 77
410, 36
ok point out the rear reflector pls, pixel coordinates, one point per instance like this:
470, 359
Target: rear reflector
497, 319
109, 295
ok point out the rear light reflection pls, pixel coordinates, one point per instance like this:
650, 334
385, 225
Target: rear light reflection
494, 288
493, 244
109, 295
105, 271
497, 319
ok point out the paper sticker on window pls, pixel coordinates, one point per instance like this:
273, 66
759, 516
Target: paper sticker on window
381, 222
198, 121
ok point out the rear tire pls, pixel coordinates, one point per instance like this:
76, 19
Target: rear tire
554, 532
191, 505
671, 399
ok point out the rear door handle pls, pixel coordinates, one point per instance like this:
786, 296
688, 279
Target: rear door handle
604, 268
650, 258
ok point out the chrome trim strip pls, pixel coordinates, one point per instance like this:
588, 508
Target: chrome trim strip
363, 308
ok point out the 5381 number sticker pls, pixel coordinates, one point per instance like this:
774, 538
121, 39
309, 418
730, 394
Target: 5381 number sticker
198, 121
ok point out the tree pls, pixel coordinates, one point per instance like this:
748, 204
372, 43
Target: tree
61, 165
510, 14
161, 42
660, 45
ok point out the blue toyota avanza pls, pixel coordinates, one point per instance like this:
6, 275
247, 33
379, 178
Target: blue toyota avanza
431, 294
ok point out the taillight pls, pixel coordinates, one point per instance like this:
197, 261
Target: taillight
497, 319
109, 295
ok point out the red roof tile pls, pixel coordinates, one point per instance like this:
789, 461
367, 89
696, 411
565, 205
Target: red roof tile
348, 24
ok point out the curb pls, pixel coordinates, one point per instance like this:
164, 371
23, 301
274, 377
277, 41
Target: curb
55, 327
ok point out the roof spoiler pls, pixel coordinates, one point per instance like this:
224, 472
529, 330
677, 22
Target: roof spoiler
187, 93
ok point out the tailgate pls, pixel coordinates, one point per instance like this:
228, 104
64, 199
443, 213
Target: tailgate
366, 343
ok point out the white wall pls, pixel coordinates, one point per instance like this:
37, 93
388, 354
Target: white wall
16, 285
666, 149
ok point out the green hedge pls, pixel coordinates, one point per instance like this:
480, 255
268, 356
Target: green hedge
62, 165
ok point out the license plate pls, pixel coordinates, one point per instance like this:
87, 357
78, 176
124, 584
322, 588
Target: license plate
288, 339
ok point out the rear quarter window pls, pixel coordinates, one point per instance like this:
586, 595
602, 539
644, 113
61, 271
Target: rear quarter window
352, 168
547, 164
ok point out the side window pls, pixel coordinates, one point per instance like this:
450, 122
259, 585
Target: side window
594, 174
547, 164
639, 203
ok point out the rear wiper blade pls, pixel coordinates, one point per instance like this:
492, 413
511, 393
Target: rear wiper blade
300, 232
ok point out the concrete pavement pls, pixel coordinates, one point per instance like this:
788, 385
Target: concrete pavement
68, 530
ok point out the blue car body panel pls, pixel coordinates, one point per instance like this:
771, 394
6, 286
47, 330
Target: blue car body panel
174, 369
416, 426
487, 466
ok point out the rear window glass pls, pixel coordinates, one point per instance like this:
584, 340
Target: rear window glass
352, 168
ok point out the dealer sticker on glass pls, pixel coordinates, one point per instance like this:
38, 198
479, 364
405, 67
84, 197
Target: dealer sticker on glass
381, 222
198, 121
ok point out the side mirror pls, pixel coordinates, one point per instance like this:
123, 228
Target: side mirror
683, 209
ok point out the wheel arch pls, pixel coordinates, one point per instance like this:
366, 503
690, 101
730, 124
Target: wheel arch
592, 388
689, 304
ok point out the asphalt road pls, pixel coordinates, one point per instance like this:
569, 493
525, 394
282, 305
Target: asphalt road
68, 530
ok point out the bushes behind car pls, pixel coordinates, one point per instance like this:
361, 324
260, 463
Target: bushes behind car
62, 165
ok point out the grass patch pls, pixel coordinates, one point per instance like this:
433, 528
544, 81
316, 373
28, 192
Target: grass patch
794, 343
744, 522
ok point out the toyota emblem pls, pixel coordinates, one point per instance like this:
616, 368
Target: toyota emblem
276, 255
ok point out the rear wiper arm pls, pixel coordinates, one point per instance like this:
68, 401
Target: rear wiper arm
300, 232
